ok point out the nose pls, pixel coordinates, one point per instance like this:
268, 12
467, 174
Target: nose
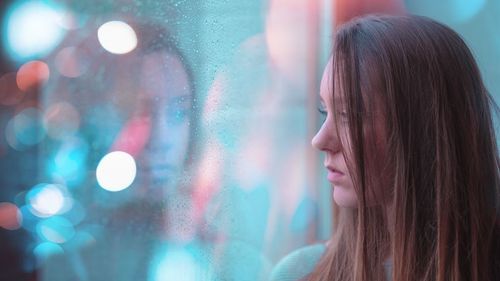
326, 138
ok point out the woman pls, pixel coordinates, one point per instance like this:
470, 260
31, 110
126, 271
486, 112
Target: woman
411, 154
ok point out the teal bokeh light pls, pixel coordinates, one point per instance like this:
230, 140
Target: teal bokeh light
188, 259
25, 129
69, 162
465, 9
28, 128
55, 229
448, 11
29, 219
45, 250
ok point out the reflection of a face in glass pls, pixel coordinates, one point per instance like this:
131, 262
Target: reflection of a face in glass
164, 97
140, 103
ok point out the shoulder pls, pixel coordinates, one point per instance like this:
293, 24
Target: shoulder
298, 263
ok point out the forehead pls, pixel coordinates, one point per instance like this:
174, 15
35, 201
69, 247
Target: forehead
370, 83
326, 90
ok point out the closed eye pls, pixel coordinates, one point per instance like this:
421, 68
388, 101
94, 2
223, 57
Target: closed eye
322, 111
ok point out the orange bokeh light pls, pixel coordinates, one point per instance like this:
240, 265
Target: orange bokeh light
10, 216
31, 74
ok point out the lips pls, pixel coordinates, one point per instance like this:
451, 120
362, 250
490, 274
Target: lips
334, 175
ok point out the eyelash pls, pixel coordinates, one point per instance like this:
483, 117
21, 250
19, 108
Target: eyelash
342, 114
322, 111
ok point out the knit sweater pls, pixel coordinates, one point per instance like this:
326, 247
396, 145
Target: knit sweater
301, 262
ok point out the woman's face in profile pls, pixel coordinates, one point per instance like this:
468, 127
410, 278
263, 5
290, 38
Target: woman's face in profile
333, 141
328, 141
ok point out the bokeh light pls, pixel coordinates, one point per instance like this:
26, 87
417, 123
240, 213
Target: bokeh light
178, 259
24, 129
76, 214
287, 37
466, 9
134, 136
10, 216
61, 120
29, 220
116, 171
68, 20
71, 62
55, 229
45, 250
10, 94
32, 29
10, 136
31, 74
27, 127
68, 164
81, 239
45, 200
117, 37
448, 11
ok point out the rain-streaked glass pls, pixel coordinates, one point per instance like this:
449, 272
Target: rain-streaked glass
170, 140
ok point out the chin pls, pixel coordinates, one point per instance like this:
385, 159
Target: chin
345, 197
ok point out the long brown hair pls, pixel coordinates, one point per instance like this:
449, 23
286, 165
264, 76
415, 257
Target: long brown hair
441, 222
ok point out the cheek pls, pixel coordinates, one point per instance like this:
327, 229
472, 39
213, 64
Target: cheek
378, 170
169, 141
179, 142
344, 193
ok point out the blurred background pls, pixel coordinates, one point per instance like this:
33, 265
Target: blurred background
170, 140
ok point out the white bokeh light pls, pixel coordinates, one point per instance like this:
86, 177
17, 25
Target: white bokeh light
117, 37
116, 171
46, 200
32, 29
